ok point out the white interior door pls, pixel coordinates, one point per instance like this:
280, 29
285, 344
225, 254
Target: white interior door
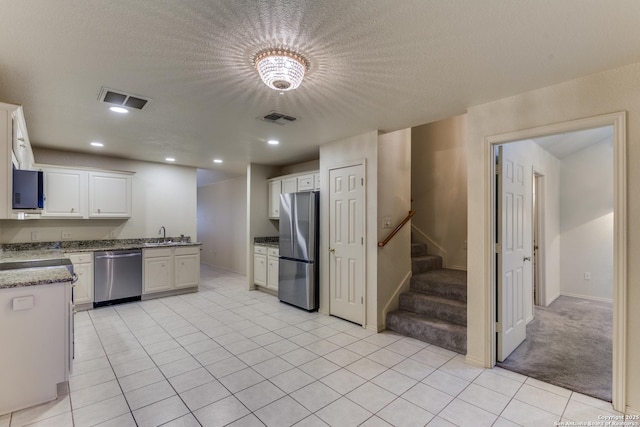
515, 281
346, 243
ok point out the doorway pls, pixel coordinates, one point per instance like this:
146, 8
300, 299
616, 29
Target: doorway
617, 121
538, 238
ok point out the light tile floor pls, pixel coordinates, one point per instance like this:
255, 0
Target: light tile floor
228, 356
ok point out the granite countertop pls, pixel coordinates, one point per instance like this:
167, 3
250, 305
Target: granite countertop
271, 241
30, 264
34, 276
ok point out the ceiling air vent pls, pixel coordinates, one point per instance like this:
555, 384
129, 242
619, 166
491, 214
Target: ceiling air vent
123, 99
277, 118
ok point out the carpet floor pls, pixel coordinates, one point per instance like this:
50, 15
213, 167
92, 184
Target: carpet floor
569, 344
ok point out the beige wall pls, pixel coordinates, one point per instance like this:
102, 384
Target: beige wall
438, 188
162, 195
607, 92
586, 222
222, 224
394, 201
346, 152
312, 165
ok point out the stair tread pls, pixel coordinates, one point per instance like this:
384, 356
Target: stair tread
445, 275
437, 298
434, 331
428, 319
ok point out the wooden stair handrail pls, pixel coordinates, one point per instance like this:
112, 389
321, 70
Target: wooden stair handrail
395, 230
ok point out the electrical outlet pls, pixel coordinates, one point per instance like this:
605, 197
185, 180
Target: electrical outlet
66, 235
35, 236
112, 234
587, 275
386, 222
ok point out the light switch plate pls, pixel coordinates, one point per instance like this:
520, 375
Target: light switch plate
66, 235
35, 236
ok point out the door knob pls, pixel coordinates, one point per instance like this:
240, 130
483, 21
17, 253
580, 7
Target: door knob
332, 250
527, 258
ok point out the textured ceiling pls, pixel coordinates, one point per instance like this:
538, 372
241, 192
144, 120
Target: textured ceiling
375, 64
565, 144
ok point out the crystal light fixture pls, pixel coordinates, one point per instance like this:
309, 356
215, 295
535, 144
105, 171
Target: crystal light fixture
281, 69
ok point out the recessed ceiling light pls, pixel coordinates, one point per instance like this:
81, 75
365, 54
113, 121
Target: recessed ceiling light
97, 144
119, 110
273, 142
217, 160
170, 159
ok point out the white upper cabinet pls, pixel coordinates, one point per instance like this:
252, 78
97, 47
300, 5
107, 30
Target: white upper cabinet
82, 193
109, 195
65, 192
289, 185
305, 182
275, 188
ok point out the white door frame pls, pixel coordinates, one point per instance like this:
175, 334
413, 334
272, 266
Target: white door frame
539, 269
362, 163
618, 121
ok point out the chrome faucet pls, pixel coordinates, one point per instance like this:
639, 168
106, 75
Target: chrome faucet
164, 233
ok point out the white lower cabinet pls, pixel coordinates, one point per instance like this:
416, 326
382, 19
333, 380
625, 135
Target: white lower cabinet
83, 268
187, 267
265, 267
273, 260
166, 269
36, 330
157, 271
260, 265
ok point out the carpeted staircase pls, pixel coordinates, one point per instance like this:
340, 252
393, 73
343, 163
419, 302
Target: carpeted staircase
435, 308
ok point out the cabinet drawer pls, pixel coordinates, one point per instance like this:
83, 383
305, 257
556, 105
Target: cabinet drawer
305, 183
80, 258
192, 250
152, 253
275, 252
260, 250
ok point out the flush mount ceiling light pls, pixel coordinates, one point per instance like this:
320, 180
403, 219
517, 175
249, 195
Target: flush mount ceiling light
170, 159
97, 144
281, 69
273, 142
217, 160
119, 110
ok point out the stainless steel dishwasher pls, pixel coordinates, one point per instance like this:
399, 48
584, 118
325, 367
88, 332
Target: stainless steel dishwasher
117, 277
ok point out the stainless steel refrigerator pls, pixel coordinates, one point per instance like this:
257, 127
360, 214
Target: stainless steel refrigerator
299, 238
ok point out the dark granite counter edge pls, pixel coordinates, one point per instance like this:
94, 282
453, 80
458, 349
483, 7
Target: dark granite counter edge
270, 241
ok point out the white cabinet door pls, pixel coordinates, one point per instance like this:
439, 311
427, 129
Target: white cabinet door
260, 269
275, 188
83, 267
157, 270
305, 182
109, 195
65, 192
272, 269
35, 338
290, 185
187, 267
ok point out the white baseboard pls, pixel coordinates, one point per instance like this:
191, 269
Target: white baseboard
631, 411
587, 297
474, 362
